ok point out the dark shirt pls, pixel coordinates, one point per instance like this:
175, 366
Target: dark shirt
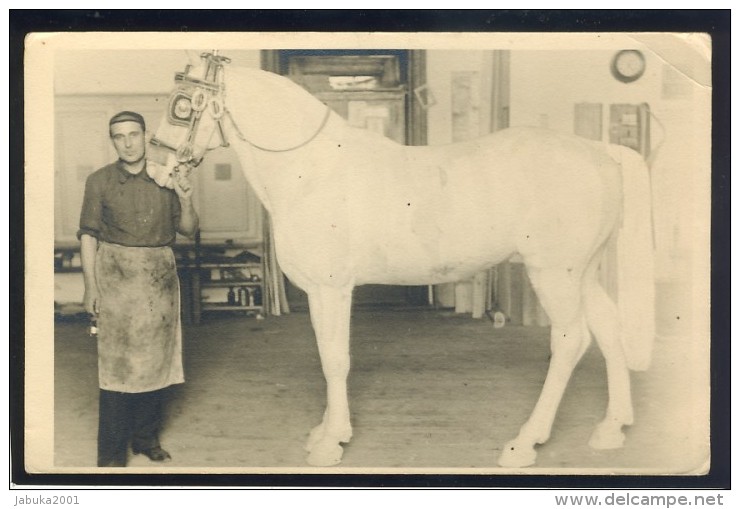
130, 210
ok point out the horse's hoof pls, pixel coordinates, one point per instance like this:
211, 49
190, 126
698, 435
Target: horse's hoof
607, 436
314, 437
325, 454
317, 435
515, 455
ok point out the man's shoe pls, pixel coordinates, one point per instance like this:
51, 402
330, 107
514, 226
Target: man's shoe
155, 453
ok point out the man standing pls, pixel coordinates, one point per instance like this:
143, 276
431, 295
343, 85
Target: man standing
128, 224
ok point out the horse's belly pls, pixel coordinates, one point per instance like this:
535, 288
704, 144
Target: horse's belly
412, 261
429, 233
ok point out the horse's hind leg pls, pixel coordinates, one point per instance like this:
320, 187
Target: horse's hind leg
603, 320
559, 291
330, 314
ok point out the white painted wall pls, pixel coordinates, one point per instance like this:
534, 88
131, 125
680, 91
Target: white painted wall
545, 86
86, 72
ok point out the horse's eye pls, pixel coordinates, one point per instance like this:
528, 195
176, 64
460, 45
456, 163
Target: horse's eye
182, 109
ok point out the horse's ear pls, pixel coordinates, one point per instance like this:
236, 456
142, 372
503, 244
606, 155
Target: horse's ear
193, 57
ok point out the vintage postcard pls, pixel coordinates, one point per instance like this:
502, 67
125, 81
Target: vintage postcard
418, 253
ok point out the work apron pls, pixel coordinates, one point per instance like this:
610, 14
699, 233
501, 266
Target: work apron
139, 331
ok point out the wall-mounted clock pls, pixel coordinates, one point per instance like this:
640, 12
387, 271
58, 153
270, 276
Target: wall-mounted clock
628, 65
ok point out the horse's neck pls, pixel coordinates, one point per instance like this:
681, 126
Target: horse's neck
279, 178
273, 113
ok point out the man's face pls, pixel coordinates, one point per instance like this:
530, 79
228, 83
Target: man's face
128, 139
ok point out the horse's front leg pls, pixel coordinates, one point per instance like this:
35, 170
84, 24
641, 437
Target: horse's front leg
330, 314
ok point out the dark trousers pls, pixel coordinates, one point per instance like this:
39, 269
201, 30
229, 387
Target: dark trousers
127, 417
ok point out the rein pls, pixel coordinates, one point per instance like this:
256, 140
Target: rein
277, 150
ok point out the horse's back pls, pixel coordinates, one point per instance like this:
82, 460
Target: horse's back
374, 211
446, 211
569, 192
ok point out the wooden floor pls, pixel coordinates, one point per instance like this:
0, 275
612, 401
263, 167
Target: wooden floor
429, 391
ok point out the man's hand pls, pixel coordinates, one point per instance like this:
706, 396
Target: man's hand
90, 301
184, 189
181, 179
88, 250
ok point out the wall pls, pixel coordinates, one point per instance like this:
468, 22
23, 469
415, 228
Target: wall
545, 86
126, 72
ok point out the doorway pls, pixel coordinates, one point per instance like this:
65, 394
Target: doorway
371, 89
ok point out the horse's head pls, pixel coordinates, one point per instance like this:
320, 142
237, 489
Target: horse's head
277, 115
195, 112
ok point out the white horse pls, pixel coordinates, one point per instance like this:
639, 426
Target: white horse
350, 207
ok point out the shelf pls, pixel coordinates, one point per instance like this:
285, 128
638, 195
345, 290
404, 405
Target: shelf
67, 270
229, 265
195, 261
224, 283
209, 306
207, 266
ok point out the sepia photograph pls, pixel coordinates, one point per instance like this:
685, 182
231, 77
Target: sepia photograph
368, 253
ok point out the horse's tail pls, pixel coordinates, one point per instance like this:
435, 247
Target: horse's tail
635, 250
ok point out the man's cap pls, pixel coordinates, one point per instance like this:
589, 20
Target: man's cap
128, 116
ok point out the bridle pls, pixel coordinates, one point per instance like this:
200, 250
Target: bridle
186, 109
